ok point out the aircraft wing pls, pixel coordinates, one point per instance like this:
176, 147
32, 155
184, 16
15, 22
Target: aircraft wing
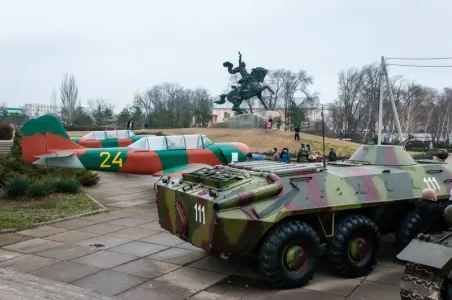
65, 160
179, 170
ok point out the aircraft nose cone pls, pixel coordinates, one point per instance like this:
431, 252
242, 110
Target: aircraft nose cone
242, 147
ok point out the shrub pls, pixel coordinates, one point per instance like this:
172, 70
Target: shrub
16, 187
41, 188
67, 185
6, 131
16, 148
88, 179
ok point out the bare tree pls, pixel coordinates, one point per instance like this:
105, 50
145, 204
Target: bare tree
53, 102
101, 109
350, 96
69, 97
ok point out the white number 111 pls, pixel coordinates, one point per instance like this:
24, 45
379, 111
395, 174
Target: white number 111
200, 213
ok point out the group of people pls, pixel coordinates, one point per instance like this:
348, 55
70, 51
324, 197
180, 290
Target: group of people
304, 153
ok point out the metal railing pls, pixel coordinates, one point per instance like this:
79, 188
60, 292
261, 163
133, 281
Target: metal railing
5, 146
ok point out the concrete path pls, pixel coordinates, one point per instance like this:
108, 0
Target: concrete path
125, 253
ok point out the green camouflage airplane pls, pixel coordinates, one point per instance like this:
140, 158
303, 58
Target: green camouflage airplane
108, 139
45, 142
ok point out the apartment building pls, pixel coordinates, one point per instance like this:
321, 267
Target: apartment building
37, 110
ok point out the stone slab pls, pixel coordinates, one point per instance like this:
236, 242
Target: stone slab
18, 286
67, 252
12, 238
211, 296
129, 222
65, 271
102, 242
105, 259
152, 226
42, 231
242, 287
303, 294
109, 282
71, 236
376, 291
101, 228
178, 256
163, 238
157, 290
191, 278
28, 263
385, 275
215, 264
139, 249
133, 233
33, 246
146, 268
6, 255
74, 223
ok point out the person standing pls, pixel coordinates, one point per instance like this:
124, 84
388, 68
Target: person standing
332, 155
297, 133
275, 154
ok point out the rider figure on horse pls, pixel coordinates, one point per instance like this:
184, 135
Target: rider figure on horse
245, 77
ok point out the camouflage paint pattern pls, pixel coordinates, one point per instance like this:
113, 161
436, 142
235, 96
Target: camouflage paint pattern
229, 209
107, 142
45, 142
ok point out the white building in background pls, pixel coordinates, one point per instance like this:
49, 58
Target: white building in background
37, 110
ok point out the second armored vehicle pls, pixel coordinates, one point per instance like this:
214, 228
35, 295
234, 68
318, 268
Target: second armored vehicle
282, 213
428, 273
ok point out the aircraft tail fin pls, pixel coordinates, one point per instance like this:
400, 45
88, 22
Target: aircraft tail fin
44, 135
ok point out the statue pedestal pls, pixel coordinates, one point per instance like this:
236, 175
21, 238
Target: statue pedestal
254, 120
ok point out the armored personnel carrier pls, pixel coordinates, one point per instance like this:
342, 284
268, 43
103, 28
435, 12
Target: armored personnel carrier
428, 273
282, 213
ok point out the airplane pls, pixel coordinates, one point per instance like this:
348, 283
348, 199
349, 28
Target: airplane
46, 142
108, 139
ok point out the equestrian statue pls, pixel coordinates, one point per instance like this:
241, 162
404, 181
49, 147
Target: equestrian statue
250, 85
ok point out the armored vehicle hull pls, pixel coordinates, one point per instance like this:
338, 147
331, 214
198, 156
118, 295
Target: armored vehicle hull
427, 275
283, 212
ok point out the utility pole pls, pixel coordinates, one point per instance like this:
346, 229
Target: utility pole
380, 107
384, 76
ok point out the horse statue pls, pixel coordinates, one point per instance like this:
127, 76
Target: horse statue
250, 86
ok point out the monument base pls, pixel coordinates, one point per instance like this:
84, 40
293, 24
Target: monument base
254, 120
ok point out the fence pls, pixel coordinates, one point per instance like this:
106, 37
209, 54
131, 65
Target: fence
5, 146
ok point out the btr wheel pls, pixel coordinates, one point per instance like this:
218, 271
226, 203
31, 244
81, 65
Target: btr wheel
289, 254
354, 248
408, 230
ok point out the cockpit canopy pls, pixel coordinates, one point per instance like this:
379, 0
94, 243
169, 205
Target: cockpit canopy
109, 134
181, 142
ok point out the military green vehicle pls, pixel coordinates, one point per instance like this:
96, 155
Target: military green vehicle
428, 273
282, 213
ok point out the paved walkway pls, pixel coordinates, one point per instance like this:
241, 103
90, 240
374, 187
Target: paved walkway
125, 253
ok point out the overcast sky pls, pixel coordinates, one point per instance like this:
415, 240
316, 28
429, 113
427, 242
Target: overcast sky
117, 47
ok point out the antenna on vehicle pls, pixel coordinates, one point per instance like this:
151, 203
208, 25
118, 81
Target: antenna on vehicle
323, 137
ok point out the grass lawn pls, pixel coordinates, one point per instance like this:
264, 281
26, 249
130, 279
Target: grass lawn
19, 214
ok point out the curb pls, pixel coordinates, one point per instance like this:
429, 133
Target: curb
101, 210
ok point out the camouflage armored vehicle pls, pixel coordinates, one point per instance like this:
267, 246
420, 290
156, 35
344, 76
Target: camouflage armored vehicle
428, 273
282, 213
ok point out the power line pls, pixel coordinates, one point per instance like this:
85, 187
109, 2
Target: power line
419, 58
419, 66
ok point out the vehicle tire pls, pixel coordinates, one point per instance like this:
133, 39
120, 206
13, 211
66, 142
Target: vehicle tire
353, 250
289, 253
407, 230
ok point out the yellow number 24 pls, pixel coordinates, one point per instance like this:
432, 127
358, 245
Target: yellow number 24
117, 160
